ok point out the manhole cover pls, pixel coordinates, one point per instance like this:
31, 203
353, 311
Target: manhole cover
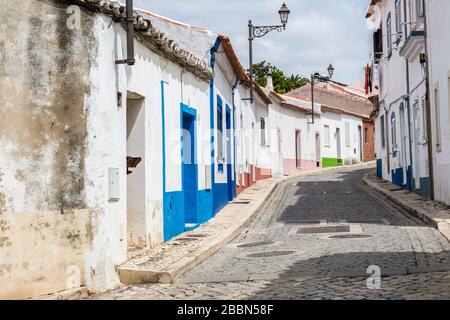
351, 236
270, 254
327, 229
255, 244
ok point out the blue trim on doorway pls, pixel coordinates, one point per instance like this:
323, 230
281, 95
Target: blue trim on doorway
380, 168
397, 177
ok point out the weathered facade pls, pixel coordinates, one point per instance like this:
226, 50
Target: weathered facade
100, 158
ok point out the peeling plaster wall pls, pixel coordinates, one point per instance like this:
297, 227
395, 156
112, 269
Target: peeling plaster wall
62, 129
44, 72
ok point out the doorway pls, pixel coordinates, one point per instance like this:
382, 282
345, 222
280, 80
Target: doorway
189, 167
360, 143
230, 186
298, 151
338, 144
136, 191
318, 150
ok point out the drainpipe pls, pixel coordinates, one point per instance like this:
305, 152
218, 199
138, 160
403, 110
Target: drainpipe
427, 103
408, 104
130, 60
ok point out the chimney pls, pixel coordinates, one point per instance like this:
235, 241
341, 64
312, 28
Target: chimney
269, 85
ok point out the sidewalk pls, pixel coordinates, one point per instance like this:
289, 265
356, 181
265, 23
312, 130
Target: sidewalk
165, 263
433, 213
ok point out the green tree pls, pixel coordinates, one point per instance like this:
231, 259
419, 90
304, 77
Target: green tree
281, 82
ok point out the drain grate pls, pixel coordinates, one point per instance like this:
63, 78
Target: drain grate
368, 221
240, 202
351, 236
197, 235
327, 229
255, 244
270, 254
301, 222
186, 239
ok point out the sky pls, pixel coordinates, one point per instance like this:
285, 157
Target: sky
319, 32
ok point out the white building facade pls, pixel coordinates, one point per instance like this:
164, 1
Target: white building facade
438, 40
400, 110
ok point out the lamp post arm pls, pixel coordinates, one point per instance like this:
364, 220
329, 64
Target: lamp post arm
261, 31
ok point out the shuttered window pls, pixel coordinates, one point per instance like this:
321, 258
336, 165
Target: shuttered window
424, 122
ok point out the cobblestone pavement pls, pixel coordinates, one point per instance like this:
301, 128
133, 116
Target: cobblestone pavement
315, 238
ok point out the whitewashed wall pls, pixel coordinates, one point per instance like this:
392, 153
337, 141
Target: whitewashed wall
439, 46
107, 143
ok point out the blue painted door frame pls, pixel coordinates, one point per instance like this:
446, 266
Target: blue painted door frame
229, 165
189, 163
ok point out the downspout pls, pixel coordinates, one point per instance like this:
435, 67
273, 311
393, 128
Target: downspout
408, 104
233, 89
427, 103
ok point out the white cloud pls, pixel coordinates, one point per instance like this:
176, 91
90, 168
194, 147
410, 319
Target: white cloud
319, 32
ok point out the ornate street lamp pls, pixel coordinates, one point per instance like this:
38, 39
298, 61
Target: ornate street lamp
261, 31
319, 78
330, 70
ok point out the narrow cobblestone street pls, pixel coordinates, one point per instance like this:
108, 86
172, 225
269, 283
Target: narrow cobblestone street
315, 238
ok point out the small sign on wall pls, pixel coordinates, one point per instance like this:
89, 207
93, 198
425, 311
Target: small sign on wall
114, 184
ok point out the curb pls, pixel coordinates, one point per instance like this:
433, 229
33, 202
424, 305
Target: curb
71, 294
443, 225
170, 275
130, 275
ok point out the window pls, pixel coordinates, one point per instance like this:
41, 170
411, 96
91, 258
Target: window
424, 122
219, 130
389, 34
398, 20
366, 135
437, 114
419, 9
383, 132
394, 134
347, 134
263, 132
378, 45
327, 135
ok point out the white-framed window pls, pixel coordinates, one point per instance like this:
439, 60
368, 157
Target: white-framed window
263, 132
419, 9
327, 137
383, 131
437, 115
394, 133
424, 122
398, 18
389, 34
347, 134
219, 126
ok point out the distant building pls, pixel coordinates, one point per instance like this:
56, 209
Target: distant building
346, 128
